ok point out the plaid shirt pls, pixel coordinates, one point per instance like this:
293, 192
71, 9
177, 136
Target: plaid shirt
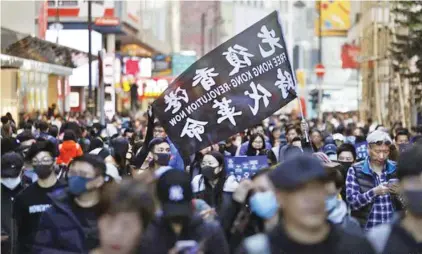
382, 208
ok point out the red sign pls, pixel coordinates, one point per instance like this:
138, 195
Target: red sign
107, 21
349, 56
320, 70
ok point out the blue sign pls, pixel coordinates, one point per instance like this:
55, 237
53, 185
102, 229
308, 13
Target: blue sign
245, 166
361, 150
180, 63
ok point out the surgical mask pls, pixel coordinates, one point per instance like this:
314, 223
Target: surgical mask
11, 183
77, 184
163, 159
414, 201
331, 203
43, 171
208, 172
264, 204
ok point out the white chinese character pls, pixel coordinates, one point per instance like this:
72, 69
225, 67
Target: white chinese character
257, 97
268, 37
193, 128
204, 76
225, 111
176, 193
232, 56
284, 82
173, 99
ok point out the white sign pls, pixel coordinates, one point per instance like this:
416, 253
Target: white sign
74, 99
108, 68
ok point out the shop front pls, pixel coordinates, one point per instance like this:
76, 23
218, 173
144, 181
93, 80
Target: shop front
34, 74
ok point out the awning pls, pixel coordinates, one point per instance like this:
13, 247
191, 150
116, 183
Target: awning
23, 46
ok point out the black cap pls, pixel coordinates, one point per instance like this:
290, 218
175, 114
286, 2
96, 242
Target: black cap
410, 161
11, 165
175, 193
297, 170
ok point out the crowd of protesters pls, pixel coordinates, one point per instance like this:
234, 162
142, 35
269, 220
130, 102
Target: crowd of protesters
72, 185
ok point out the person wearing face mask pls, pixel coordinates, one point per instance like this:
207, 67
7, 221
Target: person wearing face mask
177, 229
303, 228
212, 184
346, 156
405, 234
161, 153
11, 185
70, 225
336, 208
32, 202
253, 209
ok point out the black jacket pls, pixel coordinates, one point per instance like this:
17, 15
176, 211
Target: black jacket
337, 242
8, 226
159, 238
238, 223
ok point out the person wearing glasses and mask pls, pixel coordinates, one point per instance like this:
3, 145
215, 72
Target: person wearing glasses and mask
371, 185
31, 203
70, 225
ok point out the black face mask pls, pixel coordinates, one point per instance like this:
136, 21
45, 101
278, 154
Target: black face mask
346, 165
43, 171
208, 173
162, 159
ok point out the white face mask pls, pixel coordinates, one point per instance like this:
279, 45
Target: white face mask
11, 183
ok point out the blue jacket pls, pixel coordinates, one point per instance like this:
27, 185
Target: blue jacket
59, 230
176, 160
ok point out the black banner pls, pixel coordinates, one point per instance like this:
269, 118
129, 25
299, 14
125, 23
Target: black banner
235, 86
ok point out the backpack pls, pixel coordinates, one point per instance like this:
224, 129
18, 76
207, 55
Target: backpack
378, 237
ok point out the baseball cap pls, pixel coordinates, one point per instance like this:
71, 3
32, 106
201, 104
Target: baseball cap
339, 136
379, 137
11, 165
409, 163
330, 149
329, 140
175, 193
297, 170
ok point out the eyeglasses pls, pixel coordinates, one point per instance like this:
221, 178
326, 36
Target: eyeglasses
379, 143
43, 161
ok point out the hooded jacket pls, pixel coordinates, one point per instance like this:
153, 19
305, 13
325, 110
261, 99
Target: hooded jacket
69, 149
59, 230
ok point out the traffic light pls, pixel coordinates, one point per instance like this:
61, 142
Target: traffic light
313, 95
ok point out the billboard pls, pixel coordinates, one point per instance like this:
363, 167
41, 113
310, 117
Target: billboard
335, 15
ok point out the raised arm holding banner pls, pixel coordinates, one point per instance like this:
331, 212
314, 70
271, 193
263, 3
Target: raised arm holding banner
235, 86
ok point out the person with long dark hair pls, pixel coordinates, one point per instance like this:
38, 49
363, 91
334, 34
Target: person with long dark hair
256, 147
213, 185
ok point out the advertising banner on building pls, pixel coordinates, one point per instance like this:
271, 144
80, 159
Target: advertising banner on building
245, 166
349, 56
235, 86
335, 17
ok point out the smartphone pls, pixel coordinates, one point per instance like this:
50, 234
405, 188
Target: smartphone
187, 247
392, 181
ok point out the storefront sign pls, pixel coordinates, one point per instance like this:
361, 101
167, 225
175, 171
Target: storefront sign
161, 65
74, 99
135, 50
107, 21
152, 88
137, 67
180, 62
